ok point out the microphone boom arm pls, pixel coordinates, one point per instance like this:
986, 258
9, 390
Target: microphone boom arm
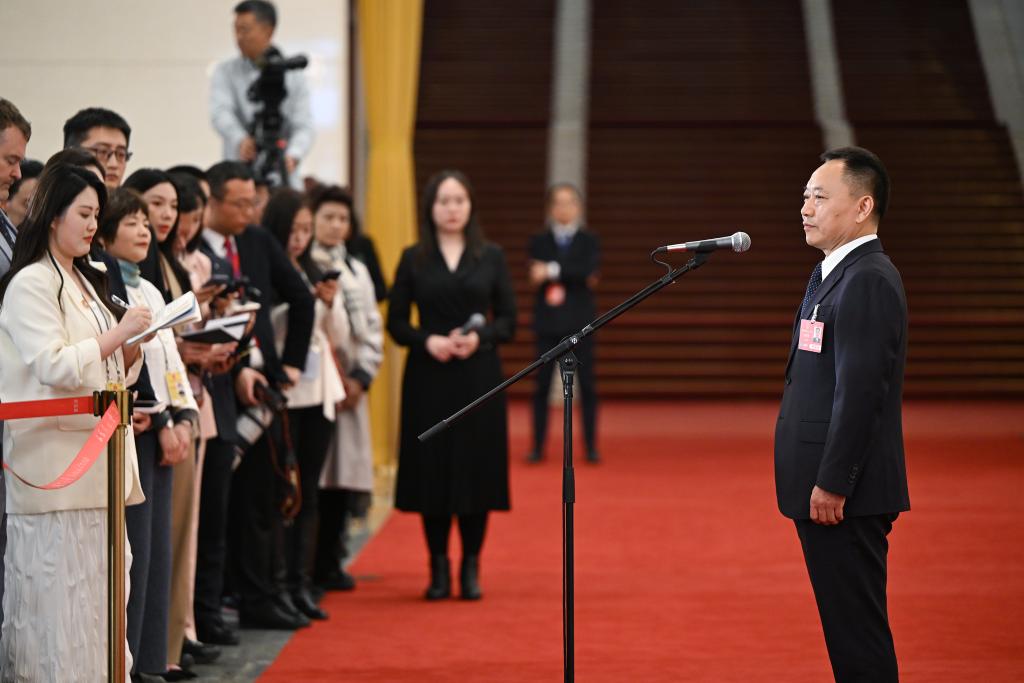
570, 342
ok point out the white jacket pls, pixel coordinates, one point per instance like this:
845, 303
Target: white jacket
50, 350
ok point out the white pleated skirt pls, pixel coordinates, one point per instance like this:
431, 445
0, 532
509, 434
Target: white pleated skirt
55, 598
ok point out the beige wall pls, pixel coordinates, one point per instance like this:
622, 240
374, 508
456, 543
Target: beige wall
150, 61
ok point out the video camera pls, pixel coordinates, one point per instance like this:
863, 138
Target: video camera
268, 126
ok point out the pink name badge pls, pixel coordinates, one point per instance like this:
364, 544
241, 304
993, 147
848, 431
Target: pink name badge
812, 333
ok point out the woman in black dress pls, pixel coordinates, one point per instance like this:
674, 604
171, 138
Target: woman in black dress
462, 289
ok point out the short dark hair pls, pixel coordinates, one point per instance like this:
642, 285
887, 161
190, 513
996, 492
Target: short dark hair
10, 116
261, 9
863, 170
326, 194
76, 156
30, 168
220, 173
124, 201
78, 126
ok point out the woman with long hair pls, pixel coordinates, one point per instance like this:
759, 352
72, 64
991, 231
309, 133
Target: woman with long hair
61, 336
462, 290
313, 400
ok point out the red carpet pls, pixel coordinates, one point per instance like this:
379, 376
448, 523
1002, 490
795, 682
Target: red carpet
686, 571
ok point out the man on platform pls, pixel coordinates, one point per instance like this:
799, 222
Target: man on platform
14, 134
840, 472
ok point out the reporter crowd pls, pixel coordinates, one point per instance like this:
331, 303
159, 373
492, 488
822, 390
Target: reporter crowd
250, 453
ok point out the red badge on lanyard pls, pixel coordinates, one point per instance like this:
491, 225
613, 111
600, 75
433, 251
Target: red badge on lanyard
554, 294
812, 333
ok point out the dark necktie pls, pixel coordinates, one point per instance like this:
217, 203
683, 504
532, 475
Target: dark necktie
812, 287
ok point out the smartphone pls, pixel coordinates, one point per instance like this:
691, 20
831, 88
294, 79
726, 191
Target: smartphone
148, 406
217, 279
330, 275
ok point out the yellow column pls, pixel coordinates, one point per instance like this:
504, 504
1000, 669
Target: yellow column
389, 33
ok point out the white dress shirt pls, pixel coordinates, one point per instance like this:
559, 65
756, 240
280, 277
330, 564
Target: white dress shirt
836, 257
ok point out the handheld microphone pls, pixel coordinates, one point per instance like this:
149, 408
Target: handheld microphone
475, 322
738, 242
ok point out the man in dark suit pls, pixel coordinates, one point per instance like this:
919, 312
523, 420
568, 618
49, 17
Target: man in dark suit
14, 134
244, 249
563, 267
840, 472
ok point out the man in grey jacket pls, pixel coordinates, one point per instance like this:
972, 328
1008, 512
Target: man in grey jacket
14, 134
233, 113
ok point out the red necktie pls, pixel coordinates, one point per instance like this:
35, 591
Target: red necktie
229, 250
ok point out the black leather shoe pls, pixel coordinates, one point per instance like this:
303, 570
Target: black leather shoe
534, 456
440, 578
469, 578
269, 616
306, 605
178, 675
201, 653
337, 581
216, 634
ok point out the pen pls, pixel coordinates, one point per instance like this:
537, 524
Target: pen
119, 301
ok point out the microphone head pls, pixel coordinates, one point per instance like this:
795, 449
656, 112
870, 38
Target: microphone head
476, 321
740, 242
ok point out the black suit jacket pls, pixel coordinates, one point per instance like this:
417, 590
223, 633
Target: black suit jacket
577, 263
840, 424
264, 262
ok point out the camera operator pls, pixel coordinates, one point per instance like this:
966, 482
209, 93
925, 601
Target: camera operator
251, 128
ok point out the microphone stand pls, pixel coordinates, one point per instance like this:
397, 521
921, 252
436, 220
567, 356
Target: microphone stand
567, 364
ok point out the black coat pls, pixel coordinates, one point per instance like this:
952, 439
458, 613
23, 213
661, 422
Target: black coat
264, 262
463, 470
840, 424
577, 263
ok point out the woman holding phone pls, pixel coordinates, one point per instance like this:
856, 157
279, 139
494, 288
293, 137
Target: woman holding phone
61, 336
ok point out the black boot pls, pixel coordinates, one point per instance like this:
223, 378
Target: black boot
469, 578
305, 603
440, 578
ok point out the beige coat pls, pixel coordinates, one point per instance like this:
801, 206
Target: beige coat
349, 463
50, 350
320, 383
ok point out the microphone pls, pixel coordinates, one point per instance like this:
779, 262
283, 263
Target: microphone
738, 242
475, 322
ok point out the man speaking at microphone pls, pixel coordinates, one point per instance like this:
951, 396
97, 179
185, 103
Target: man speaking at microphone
840, 472
233, 112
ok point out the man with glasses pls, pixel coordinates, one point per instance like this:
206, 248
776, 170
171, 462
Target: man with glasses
105, 134
240, 509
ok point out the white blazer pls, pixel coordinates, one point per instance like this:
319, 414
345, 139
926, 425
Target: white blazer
49, 349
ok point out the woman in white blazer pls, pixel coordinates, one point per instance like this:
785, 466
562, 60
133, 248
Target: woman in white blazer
60, 336
346, 484
313, 400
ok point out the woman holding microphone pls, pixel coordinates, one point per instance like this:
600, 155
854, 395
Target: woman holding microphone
462, 289
60, 336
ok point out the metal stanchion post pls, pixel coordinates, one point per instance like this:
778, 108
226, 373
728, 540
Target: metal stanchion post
116, 532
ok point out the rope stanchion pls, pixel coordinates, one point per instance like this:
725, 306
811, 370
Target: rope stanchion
116, 627
115, 407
